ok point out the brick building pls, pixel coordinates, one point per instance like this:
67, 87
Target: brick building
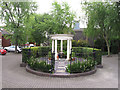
3, 41
80, 35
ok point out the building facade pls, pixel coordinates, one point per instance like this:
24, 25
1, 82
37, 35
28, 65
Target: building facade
3, 41
79, 34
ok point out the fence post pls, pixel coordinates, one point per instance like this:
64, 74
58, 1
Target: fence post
94, 55
70, 60
52, 61
29, 53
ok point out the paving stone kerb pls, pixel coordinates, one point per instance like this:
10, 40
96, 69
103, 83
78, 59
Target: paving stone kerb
28, 69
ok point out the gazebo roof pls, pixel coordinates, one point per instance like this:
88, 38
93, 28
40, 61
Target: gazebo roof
61, 36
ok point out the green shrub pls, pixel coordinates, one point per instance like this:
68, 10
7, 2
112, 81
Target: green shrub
34, 52
36, 64
49, 54
74, 43
79, 43
86, 53
81, 67
73, 54
114, 46
82, 43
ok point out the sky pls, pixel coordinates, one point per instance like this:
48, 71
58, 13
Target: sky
45, 6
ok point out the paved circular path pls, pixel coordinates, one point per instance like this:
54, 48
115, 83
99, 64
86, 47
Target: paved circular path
14, 76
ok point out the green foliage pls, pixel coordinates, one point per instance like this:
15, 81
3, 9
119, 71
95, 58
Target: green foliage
82, 43
13, 15
35, 52
100, 43
79, 43
81, 67
85, 52
49, 54
102, 21
38, 65
63, 18
73, 54
115, 46
38, 27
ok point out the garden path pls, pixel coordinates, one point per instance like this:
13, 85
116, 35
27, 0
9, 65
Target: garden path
60, 66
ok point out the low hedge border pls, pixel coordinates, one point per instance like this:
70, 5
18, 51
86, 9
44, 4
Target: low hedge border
60, 76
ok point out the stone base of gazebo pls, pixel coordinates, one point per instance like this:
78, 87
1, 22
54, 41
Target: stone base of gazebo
60, 66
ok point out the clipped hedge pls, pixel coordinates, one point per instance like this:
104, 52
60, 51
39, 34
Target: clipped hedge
86, 52
27, 53
80, 43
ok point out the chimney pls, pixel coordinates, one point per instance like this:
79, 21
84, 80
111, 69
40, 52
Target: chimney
76, 27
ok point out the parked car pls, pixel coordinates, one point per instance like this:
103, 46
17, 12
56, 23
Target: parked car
31, 45
2, 51
12, 49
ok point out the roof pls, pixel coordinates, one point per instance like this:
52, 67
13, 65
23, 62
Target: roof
61, 36
81, 29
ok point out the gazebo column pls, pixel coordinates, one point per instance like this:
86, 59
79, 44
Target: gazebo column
68, 49
70, 46
61, 45
52, 46
55, 49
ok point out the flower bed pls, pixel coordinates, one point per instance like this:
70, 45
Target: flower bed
81, 67
36, 64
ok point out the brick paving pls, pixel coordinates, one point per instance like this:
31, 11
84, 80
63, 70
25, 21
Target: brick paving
14, 76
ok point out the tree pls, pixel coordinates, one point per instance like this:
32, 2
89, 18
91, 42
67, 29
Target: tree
63, 18
59, 21
40, 28
101, 21
39, 25
13, 15
117, 25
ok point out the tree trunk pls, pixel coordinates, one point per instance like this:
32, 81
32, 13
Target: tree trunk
16, 44
108, 47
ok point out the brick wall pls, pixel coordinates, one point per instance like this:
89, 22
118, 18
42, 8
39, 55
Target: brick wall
5, 42
80, 35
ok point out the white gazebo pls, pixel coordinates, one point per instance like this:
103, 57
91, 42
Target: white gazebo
62, 37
